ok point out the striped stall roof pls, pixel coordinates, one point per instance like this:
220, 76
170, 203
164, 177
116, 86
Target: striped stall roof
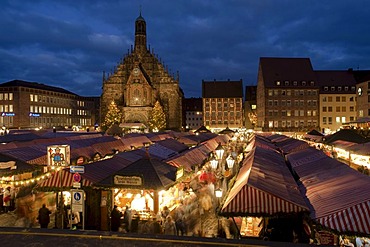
338, 195
264, 186
60, 181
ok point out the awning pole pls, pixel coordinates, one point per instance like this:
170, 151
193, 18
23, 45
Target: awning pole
236, 226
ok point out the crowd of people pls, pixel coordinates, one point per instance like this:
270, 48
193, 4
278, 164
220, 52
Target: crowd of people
169, 223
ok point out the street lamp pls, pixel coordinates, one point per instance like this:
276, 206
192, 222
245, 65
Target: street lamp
214, 163
230, 162
219, 151
218, 193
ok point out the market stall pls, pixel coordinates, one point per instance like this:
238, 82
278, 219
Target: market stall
263, 189
337, 194
141, 187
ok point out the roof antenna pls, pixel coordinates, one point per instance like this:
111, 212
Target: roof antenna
140, 9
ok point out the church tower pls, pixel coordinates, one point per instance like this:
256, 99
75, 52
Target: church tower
140, 34
138, 81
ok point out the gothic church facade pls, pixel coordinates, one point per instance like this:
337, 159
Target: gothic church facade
139, 80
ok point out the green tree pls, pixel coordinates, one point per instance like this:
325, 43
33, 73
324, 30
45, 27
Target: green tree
157, 118
113, 116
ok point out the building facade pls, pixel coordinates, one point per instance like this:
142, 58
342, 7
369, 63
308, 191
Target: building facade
337, 99
250, 107
363, 93
34, 105
287, 95
222, 104
192, 113
139, 81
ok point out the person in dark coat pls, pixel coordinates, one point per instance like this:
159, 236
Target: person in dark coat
44, 216
115, 219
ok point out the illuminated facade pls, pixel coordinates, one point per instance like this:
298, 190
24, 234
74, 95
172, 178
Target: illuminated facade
337, 99
33, 105
192, 113
222, 104
139, 81
287, 95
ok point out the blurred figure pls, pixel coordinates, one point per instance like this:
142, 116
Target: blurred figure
44, 216
169, 227
6, 199
127, 218
115, 219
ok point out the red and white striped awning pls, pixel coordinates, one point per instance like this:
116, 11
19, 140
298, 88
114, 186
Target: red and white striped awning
60, 180
352, 219
264, 186
256, 202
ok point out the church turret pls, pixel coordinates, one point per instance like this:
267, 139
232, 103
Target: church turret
140, 34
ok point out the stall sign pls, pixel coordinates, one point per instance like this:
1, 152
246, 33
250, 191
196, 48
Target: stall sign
128, 180
58, 155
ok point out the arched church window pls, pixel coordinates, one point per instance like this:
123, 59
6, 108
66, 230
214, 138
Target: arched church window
136, 96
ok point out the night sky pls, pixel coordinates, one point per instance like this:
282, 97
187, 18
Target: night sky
70, 43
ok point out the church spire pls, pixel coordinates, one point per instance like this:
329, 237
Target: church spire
140, 34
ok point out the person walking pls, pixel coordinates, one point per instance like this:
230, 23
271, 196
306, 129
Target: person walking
44, 216
127, 218
6, 199
115, 219
169, 227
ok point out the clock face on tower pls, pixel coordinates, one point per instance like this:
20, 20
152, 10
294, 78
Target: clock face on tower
359, 91
136, 71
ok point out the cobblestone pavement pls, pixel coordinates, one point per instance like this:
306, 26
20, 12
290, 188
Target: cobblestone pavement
22, 237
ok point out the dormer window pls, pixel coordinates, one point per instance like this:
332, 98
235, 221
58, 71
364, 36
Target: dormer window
277, 83
339, 88
345, 88
353, 88
332, 88
312, 83
295, 83
303, 83
286, 83
326, 88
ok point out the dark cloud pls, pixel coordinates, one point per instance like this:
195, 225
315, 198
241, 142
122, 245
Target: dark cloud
70, 43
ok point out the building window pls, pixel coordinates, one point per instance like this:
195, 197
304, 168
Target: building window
312, 83
277, 83
288, 92
344, 109
330, 109
288, 113
324, 99
324, 109
337, 109
330, 99
337, 119
351, 108
295, 83
270, 92
326, 88
286, 83
308, 113
346, 88
332, 88
339, 88
324, 120
337, 99
303, 83
330, 120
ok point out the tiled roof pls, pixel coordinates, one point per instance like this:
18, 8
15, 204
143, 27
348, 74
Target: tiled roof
286, 69
222, 89
35, 85
335, 78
